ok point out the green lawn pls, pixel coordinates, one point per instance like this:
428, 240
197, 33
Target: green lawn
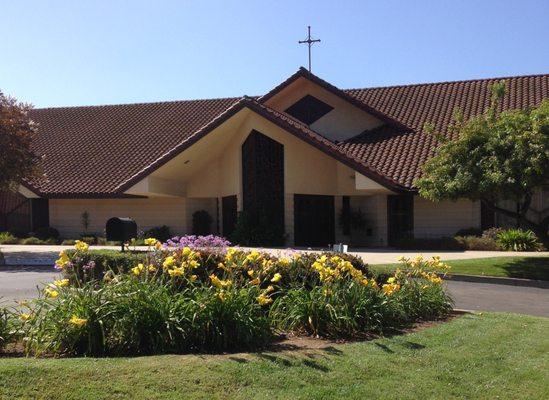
511, 267
483, 356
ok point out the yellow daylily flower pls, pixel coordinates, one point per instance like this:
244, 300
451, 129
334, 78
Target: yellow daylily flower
61, 283
276, 278
51, 293
284, 261
78, 321
231, 252
219, 283
81, 246
150, 242
168, 262
25, 316
390, 288
63, 260
176, 272
263, 299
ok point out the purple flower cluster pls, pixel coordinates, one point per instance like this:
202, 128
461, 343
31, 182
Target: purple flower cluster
89, 265
202, 242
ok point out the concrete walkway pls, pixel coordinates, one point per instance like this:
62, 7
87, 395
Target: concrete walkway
46, 255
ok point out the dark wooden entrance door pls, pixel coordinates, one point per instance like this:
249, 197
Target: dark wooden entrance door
400, 218
487, 217
314, 220
229, 214
263, 188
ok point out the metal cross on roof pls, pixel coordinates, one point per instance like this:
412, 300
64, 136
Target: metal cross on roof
310, 41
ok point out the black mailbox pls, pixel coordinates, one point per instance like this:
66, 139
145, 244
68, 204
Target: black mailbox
121, 229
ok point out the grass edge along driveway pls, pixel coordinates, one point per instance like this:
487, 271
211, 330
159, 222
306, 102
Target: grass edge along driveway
480, 356
508, 267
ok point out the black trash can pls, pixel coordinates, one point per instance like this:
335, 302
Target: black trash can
121, 229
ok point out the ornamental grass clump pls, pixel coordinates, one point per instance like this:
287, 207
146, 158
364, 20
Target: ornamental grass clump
518, 240
4, 327
129, 316
349, 304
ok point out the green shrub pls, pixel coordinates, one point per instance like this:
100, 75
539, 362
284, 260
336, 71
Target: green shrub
92, 265
492, 233
518, 240
478, 243
137, 242
349, 309
445, 243
185, 300
132, 317
469, 232
68, 242
424, 302
32, 240
46, 232
161, 233
88, 238
4, 327
19, 233
8, 238
346, 311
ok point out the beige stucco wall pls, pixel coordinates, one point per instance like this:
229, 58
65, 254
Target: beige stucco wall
343, 122
444, 218
66, 214
307, 170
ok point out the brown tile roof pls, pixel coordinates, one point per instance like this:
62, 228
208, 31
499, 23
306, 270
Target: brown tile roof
101, 151
400, 153
281, 119
90, 151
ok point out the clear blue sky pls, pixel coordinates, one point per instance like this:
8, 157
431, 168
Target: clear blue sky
56, 53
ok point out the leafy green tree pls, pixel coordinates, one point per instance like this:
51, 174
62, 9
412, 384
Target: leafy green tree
493, 157
17, 160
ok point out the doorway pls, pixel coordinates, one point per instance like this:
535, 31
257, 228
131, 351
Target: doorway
314, 220
400, 218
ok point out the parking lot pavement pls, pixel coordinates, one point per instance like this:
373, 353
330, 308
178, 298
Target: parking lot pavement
494, 297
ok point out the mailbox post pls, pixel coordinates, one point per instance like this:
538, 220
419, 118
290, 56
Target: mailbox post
121, 229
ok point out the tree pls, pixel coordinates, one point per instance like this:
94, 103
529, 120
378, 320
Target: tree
17, 160
495, 156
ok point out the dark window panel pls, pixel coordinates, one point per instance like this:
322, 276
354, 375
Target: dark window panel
309, 109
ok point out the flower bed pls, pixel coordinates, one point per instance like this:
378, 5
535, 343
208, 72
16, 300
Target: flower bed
183, 299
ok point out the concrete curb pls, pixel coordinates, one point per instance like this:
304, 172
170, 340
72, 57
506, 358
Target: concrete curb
498, 280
